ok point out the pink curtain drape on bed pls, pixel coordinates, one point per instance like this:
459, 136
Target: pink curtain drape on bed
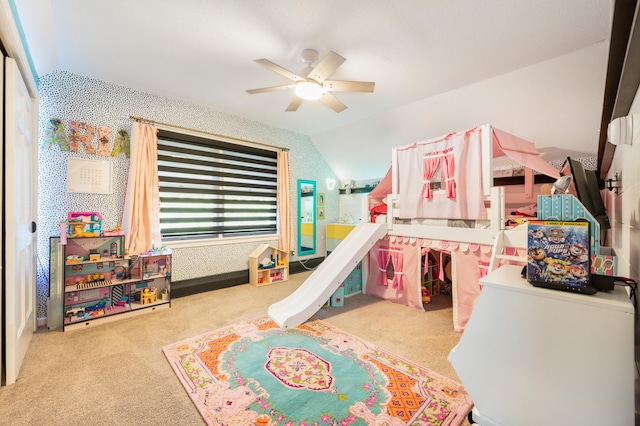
446, 161
410, 294
467, 286
284, 201
141, 217
449, 170
522, 151
383, 260
378, 195
397, 260
465, 182
430, 166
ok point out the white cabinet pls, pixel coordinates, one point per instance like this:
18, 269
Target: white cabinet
532, 356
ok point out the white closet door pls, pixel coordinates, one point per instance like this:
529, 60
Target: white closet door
2, 329
20, 165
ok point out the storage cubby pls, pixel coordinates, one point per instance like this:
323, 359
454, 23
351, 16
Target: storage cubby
268, 265
336, 233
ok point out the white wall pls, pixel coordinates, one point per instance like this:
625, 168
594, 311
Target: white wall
556, 103
353, 208
624, 209
67, 97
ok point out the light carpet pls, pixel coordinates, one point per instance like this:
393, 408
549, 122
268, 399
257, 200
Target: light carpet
256, 373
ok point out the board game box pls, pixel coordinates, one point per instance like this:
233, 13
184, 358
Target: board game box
559, 254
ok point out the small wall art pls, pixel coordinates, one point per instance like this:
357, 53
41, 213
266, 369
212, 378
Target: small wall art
81, 136
88, 176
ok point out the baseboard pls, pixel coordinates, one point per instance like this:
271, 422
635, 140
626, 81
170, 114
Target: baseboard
297, 266
230, 279
204, 284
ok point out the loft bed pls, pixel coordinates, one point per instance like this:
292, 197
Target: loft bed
439, 194
426, 216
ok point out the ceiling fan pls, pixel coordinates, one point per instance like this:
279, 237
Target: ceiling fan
312, 82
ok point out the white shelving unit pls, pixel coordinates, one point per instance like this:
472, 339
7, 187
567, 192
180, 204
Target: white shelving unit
99, 283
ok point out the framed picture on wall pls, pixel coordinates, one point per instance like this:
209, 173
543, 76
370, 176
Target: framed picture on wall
88, 176
320, 213
320, 199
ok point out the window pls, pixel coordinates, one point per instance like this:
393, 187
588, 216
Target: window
437, 181
215, 189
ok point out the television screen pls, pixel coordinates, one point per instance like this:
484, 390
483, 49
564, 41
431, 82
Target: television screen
585, 187
599, 211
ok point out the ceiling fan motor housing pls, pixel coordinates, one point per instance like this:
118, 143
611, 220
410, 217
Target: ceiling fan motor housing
310, 56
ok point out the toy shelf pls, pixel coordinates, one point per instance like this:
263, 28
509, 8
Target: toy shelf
268, 265
115, 315
336, 233
84, 262
96, 284
138, 305
99, 283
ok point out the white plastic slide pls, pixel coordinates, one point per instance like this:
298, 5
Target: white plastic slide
325, 280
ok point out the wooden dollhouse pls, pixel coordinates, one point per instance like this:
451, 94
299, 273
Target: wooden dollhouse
268, 265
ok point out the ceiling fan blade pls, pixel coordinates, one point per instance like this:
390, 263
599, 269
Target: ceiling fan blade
332, 102
348, 86
277, 68
326, 67
269, 89
294, 104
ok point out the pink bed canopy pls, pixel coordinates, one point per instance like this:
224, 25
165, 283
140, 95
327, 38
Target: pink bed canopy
519, 150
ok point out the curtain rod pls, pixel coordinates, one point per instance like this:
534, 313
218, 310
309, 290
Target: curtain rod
145, 120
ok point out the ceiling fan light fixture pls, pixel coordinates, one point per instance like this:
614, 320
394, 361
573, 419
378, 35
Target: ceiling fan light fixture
312, 83
308, 90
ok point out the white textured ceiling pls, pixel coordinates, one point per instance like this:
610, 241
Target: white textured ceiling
415, 51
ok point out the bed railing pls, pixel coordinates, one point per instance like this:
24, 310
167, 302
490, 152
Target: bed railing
500, 202
496, 220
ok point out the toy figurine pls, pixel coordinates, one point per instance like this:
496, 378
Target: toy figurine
149, 295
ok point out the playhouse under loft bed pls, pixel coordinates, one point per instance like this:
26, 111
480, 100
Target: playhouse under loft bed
440, 195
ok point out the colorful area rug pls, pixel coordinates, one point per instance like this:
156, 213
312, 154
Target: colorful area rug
256, 373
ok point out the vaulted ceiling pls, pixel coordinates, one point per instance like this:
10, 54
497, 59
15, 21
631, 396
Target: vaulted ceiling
438, 65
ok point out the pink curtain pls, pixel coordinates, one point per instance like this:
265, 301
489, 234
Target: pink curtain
468, 203
448, 171
397, 258
446, 161
411, 292
383, 260
141, 216
436, 270
284, 201
467, 286
483, 269
522, 151
430, 167
378, 195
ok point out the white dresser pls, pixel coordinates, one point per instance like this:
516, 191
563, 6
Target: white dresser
532, 356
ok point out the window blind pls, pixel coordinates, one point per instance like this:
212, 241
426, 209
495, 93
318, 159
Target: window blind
213, 188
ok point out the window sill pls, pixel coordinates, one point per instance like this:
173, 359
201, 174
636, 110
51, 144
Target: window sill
204, 242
